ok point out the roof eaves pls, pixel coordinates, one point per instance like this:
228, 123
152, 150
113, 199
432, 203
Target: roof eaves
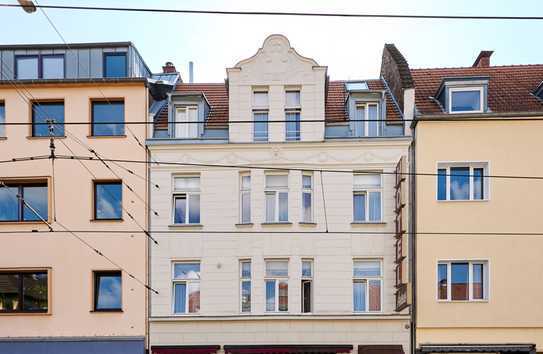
67, 45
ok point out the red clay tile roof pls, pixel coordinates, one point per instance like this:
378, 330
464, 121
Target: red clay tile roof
217, 96
509, 89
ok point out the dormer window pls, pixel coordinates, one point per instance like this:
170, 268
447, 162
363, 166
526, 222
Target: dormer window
186, 122
466, 100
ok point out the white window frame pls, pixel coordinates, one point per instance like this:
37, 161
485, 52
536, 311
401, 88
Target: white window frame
366, 123
310, 192
187, 283
276, 191
366, 191
446, 165
260, 109
244, 190
480, 89
309, 278
182, 130
366, 279
277, 280
242, 280
177, 193
471, 262
293, 109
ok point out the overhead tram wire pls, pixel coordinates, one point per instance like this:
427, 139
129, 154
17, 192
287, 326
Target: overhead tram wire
282, 13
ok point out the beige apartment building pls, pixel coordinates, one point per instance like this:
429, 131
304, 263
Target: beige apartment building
57, 294
477, 266
281, 219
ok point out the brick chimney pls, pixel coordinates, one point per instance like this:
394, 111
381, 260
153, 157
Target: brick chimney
169, 68
483, 59
395, 70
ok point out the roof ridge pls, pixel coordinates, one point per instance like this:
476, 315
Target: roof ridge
479, 68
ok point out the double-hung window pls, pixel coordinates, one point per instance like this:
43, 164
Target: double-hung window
46, 115
32, 67
276, 282
115, 65
186, 287
186, 122
462, 280
307, 198
107, 291
245, 198
24, 291
466, 99
108, 200
2, 119
107, 118
367, 285
26, 201
307, 285
186, 200
292, 115
260, 115
367, 197
276, 198
245, 286
462, 181
367, 122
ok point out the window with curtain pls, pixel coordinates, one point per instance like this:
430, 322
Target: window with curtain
245, 198
307, 198
462, 181
367, 120
276, 285
276, 196
186, 287
367, 285
186, 200
245, 285
307, 285
367, 197
186, 122
462, 280
44, 113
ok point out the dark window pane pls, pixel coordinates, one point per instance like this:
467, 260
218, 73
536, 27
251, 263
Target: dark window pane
9, 204
2, 119
180, 211
108, 118
478, 184
465, 101
283, 296
441, 184
478, 278
44, 111
270, 295
35, 292
108, 288
194, 209
442, 281
27, 68
359, 207
283, 206
108, 200
459, 183
37, 198
53, 67
9, 292
306, 296
261, 127
246, 296
115, 65
459, 281
293, 126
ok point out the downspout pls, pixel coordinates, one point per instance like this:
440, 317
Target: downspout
413, 242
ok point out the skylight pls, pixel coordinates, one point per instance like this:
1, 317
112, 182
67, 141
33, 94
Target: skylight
357, 86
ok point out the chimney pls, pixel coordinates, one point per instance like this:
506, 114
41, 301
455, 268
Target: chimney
191, 72
169, 68
483, 60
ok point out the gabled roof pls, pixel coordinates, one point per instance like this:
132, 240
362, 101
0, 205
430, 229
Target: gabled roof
510, 88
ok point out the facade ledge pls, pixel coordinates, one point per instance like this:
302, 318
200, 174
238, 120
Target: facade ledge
106, 136
358, 223
244, 224
276, 223
185, 226
279, 317
307, 223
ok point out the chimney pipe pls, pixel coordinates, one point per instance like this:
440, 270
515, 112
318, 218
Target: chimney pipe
191, 72
168, 68
483, 59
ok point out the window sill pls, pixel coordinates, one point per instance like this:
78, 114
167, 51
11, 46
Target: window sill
307, 223
22, 313
184, 226
355, 223
45, 137
484, 301
274, 223
462, 200
106, 220
18, 222
244, 224
107, 311
106, 136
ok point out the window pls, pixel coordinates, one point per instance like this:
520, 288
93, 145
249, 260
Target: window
367, 203
367, 285
115, 65
44, 113
307, 198
245, 285
260, 115
2, 119
107, 291
186, 122
245, 198
276, 282
186, 200
307, 286
108, 200
34, 194
276, 198
462, 181
367, 120
292, 115
462, 280
107, 118
465, 99
24, 291
32, 67
186, 287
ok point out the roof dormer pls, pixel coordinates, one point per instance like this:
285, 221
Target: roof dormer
463, 95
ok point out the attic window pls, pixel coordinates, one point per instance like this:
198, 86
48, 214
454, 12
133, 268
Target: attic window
466, 99
357, 86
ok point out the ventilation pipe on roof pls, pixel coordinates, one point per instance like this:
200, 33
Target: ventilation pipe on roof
191, 72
